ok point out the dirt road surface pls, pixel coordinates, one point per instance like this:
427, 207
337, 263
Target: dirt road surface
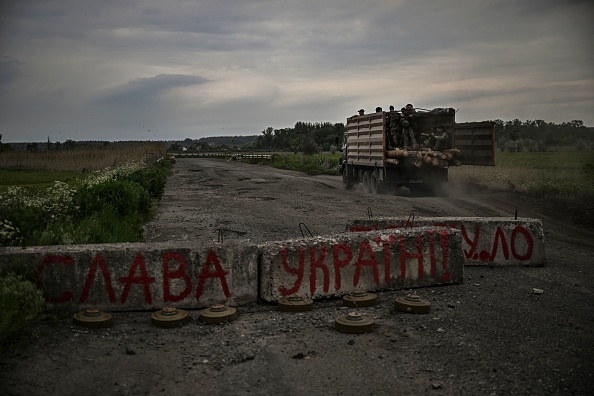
488, 336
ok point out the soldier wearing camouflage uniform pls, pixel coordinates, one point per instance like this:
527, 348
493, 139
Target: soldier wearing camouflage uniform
407, 128
393, 131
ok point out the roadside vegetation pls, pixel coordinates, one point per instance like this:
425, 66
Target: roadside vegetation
48, 207
110, 205
558, 175
318, 164
562, 180
21, 304
78, 157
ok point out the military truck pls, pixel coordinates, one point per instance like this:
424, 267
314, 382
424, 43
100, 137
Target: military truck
399, 148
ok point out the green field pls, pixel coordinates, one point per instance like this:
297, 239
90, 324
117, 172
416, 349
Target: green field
34, 179
551, 160
564, 175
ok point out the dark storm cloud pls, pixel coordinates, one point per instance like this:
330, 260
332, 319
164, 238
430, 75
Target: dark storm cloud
146, 90
10, 70
113, 68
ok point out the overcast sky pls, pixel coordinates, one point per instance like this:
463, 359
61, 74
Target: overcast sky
153, 70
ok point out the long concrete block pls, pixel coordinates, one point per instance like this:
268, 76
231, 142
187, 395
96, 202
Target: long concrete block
491, 241
335, 265
137, 276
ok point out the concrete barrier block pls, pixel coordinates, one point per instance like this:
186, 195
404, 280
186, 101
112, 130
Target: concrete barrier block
492, 241
335, 265
136, 276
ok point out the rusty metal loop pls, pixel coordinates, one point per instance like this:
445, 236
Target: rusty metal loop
220, 237
369, 213
301, 229
410, 222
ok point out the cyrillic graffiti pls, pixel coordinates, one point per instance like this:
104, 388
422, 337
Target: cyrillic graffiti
480, 245
387, 260
139, 279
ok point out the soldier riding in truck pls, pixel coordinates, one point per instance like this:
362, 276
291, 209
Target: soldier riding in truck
412, 147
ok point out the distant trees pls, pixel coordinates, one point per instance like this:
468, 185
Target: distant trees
69, 145
306, 137
4, 146
32, 147
199, 145
537, 135
513, 135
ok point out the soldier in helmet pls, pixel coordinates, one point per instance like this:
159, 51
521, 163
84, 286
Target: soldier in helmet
442, 139
392, 130
438, 140
407, 127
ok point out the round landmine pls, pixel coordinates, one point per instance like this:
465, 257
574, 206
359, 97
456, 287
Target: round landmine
354, 323
169, 317
359, 298
92, 318
217, 313
412, 303
295, 304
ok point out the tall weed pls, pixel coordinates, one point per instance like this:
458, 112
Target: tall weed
21, 303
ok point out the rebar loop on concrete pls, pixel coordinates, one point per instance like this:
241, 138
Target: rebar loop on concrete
410, 222
301, 229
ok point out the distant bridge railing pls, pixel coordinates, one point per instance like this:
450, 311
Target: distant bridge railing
230, 156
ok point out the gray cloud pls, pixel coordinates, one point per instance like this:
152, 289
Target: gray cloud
116, 68
146, 90
10, 70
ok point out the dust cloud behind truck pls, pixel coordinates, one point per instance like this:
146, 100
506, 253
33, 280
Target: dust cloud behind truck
407, 148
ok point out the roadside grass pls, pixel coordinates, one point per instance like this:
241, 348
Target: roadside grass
21, 304
563, 181
83, 159
558, 175
106, 206
317, 164
34, 179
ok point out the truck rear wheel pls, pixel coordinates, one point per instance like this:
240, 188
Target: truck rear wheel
426, 190
347, 177
367, 181
375, 184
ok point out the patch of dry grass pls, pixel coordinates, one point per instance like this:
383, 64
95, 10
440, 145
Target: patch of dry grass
83, 159
558, 176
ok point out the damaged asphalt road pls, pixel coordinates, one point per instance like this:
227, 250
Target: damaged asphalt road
490, 335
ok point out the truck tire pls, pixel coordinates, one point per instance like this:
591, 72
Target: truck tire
417, 190
367, 181
347, 177
375, 186
427, 190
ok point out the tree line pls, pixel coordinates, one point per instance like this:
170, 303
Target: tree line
313, 137
514, 135
538, 135
306, 137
